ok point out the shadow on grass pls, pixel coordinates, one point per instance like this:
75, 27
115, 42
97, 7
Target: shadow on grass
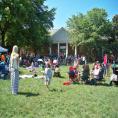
103, 84
56, 90
106, 84
28, 94
60, 77
96, 83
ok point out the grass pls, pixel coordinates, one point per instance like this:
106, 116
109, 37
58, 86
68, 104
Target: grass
74, 101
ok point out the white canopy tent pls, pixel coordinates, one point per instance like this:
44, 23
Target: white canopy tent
3, 49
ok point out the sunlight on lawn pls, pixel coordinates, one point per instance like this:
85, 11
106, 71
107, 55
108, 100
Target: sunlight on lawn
74, 101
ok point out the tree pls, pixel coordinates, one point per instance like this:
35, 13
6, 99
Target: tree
90, 27
25, 22
99, 23
115, 27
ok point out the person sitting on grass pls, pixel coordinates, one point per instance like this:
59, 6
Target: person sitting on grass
73, 74
114, 76
31, 67
85, 73
95, 74
48, 75
77, 74
101, 72
57, 71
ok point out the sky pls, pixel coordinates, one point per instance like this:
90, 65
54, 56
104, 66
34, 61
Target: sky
66, 8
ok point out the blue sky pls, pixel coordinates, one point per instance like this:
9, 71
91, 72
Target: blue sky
67, 8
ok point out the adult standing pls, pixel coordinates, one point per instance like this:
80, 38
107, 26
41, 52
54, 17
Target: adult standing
105, 63
14, 65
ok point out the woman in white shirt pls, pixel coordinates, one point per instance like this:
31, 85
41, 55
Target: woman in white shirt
14, 65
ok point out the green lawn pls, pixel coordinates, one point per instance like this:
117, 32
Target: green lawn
74, 101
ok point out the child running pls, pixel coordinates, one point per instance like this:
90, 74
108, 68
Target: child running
48, 75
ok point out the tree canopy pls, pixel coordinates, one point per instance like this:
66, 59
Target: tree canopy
90, 27
115, 27
25, 22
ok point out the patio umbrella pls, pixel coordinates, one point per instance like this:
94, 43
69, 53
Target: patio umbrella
3, 49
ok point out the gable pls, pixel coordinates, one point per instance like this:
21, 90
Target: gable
61, 36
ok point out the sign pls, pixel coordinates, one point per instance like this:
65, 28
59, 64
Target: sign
62, 47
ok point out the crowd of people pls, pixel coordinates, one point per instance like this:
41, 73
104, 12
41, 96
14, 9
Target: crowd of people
51, 67
27, 59
87, 75
98, 72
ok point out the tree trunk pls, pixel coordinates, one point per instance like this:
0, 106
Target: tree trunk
3, 31
3, 38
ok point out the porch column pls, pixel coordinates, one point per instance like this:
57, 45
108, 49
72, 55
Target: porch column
50, 50
58, 48
66, 49
75, 50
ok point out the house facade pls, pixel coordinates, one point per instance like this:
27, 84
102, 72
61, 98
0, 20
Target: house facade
60, 43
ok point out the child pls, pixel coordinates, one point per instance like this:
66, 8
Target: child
73, 74
57, 71
48, 75
77, 74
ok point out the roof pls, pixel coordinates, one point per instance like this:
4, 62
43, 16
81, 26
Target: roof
53, 31
60, 36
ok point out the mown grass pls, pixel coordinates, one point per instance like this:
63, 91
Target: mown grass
74, 101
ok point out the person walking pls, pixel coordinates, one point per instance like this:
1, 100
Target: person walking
48, 75
14, 65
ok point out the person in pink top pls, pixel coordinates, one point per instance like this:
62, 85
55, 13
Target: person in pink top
105, 63
105, 59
